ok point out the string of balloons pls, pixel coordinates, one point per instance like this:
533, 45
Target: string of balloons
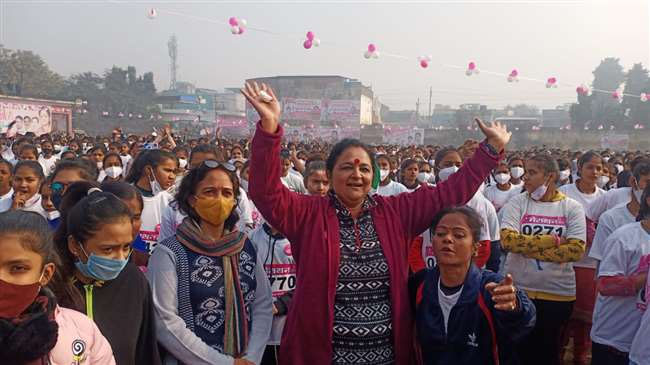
238, 26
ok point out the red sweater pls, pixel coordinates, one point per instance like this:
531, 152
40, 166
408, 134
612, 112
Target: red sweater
311, 225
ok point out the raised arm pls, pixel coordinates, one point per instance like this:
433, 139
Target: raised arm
418, 209
281, 208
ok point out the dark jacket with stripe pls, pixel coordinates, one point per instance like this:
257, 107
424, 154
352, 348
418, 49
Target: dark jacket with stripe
469, 339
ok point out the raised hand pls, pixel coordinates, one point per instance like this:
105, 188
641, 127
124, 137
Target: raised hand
269, 111
496, 133
503, 294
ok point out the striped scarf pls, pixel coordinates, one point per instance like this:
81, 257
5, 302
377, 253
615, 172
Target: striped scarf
228, 248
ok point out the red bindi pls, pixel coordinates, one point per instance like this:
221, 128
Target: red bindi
356, 161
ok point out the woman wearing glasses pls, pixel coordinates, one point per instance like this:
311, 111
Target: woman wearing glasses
211, 294
65, 173
94, 242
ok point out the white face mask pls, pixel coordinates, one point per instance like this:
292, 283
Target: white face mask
182, 162
113, 172
564, 174
539, 192
383, 174
432, 162
602, 181
446, 172
155, 185
53, 215
57, 147
619, 168
605, 159
424, 176
100, 165
517, 172
502, 178
638, 193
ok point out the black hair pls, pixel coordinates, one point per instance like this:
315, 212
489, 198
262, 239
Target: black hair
312, 167
86, 170
33, 231
112, 154
83, 214
33, 165
8, 164
181, 148
99, 147
187, 189
63, 155
29, 147
641, 169
586, 157
342, 146
207, 148
644, 209
474, 220
146, 158
123, 191
547, 163
382, 156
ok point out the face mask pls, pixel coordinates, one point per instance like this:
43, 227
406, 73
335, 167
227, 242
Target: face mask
619, 168
605, 159
106, 145
424, 177
502, 178
214, 210
446, 172
83, 145
182, 162
383, 174
113, 172
155, 186
539, 192
100, 268
53, 215
39, 150
100, 165
517, 172
244, 184
564, 174
57, 147
432, 162
15, 299
602, 181
637, 194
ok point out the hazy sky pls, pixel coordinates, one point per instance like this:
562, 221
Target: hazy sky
565, 39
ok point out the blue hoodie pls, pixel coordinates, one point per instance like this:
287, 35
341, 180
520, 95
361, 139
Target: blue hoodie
470, 339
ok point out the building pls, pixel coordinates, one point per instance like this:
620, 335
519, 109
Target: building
320, 101
39, 116
555, 118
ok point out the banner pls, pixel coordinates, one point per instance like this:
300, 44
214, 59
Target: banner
25, 118
617, 142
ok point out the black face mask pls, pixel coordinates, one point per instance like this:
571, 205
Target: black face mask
47, 152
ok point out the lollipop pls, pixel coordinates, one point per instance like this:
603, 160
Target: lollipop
514, 76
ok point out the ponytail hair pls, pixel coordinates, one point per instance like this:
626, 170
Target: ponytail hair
644, 209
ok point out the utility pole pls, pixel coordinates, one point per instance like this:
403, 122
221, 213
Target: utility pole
430, 95
417, 111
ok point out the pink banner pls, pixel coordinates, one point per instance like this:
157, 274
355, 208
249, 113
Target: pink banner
25, 117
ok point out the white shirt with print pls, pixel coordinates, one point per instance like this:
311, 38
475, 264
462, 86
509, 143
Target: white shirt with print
616, 318
391, 189
609, 222
564, 218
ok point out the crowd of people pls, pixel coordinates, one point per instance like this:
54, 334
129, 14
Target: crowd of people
162, 250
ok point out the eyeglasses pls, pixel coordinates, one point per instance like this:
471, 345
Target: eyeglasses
212, 164
58, 187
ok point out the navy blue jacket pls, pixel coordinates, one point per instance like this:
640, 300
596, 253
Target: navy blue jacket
470, 339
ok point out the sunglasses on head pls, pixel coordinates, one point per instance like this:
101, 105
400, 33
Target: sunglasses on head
212, 164
57, 187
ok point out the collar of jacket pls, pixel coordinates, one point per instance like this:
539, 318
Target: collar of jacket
471, 285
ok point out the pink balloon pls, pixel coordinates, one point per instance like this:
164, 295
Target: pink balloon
310, 35
307, 44
514, 73
371, 48
241, 30
551, 80
471, 66
233, 21
424, 63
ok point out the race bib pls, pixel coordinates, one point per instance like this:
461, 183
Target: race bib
532, 225
282, 278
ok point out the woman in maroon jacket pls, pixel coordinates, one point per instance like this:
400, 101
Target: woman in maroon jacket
351, 301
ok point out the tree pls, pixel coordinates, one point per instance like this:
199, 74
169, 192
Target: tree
608, 77
24, 73
636, 82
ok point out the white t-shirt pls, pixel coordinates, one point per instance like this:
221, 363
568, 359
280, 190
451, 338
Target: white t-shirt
617, 318
609, 222
393, 188
48, 164
571, 190
447, 302
294, 183
152, 217
640, 351
6, 200
565, 218
608, 201
499, 197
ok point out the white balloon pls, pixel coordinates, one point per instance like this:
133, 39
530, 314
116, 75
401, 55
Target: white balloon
152, 13
316, 42
243, 22
429, 58
375, 54
367, 55
234, 30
